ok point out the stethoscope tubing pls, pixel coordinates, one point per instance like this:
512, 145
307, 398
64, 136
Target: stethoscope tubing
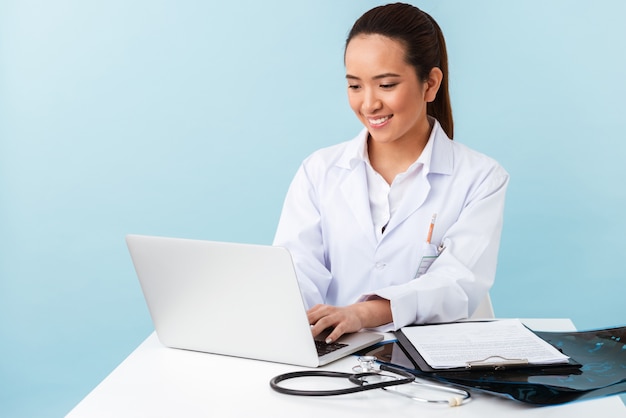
360, 385
355, 378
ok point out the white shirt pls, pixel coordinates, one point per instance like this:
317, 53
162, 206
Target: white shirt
327, 225
384, 198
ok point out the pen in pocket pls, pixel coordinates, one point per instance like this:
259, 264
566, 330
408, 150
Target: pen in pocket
429, 237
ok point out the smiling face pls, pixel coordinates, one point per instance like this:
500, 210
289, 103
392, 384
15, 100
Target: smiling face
384, 91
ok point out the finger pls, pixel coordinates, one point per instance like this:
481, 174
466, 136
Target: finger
316, 308
317, 312
313, 313
324, 323
335, 334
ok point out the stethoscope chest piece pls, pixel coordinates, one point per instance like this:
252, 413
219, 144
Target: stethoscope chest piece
366, 364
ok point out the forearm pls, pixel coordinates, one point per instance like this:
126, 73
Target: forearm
374, 312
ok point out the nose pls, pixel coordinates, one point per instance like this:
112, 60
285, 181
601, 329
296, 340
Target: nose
371, 102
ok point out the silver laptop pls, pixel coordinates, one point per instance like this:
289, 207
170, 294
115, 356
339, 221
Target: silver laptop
234, 299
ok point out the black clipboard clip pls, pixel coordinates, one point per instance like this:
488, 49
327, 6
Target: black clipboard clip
502, 363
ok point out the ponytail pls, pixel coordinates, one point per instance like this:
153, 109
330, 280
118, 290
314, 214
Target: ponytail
441, 108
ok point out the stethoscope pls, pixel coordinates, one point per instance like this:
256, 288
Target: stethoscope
369, 375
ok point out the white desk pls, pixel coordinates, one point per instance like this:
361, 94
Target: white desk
156, 381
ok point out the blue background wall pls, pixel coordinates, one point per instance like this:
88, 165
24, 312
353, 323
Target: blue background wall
189, 119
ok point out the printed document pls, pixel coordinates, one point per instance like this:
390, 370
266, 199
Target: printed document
466, 344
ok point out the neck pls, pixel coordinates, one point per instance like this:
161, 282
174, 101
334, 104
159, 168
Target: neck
392, 158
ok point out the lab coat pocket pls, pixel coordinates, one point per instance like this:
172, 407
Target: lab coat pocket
428, 253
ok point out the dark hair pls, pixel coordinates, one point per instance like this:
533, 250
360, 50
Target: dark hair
425, 48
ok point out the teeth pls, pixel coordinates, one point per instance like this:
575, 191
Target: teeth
379, 121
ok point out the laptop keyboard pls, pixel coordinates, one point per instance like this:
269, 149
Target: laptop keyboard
323, 348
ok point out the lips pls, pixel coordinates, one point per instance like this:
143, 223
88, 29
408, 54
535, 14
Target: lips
379, 121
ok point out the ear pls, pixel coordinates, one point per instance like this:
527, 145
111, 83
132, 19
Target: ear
432, 84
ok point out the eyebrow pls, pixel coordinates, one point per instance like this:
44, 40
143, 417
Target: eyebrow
376, 77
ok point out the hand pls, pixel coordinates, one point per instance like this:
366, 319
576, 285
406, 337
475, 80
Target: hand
351, 318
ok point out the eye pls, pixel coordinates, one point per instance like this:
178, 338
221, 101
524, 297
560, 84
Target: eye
353, 87
388, 86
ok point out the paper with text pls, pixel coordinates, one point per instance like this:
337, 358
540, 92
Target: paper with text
461, 344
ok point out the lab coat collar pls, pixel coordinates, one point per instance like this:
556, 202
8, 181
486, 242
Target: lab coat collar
441, 158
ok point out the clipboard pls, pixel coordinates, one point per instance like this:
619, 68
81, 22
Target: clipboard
531, 384
495, 363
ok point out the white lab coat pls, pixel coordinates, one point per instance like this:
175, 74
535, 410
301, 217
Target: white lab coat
326, 224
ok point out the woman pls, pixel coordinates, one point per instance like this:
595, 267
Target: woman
400, 225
